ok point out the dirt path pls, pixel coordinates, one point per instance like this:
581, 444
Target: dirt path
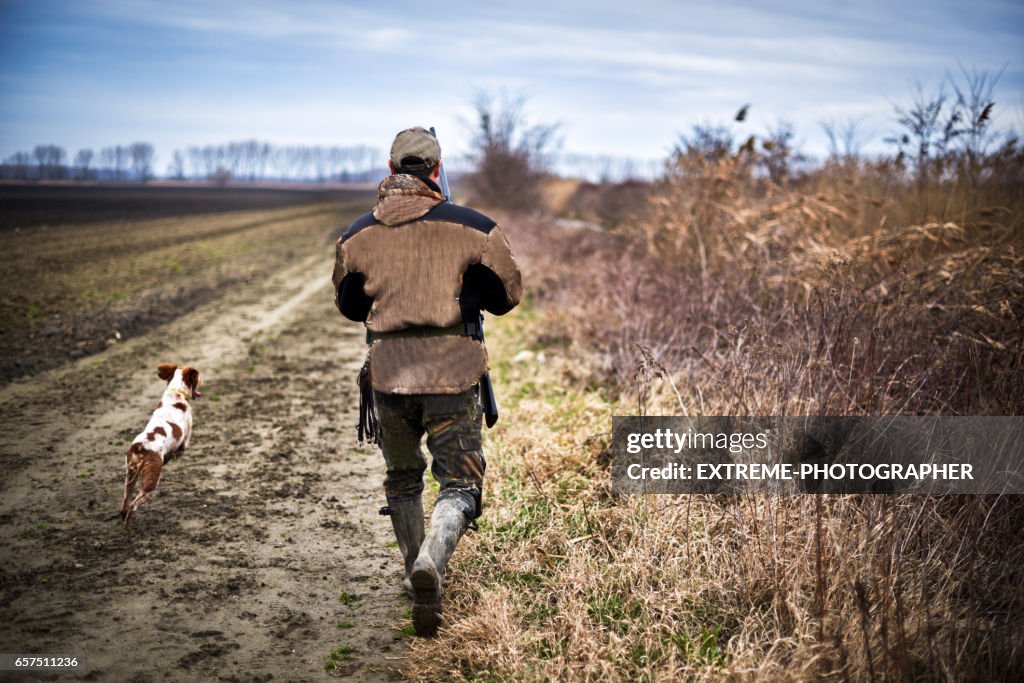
261, 554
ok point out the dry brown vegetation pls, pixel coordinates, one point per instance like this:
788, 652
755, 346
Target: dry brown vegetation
854, 289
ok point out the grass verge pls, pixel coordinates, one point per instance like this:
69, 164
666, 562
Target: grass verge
566, 582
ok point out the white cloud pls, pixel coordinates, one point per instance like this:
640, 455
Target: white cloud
628, 77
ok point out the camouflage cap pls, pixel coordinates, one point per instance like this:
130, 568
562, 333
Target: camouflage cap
418, 146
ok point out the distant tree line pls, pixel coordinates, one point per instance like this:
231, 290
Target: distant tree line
50, 162
944, 133
255, 160
604, 168
246, 160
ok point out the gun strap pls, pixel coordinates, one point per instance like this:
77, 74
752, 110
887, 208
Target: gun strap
367, 429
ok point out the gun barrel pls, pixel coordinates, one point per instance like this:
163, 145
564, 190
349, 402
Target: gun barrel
444, 176
487, 401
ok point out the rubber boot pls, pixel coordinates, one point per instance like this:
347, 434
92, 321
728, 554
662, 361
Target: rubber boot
447, 524
407, 521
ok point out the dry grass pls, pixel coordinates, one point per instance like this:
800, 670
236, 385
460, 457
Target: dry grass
557, 193
834, 296
565, 582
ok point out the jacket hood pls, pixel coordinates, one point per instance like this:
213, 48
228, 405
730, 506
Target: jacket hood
403, 198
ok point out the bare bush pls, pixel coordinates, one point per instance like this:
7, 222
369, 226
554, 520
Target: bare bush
706, 141
510, 156
778, 152
612, 205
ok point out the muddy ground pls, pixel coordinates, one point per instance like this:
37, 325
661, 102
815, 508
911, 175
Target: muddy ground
262, 552
58, 204
72, 289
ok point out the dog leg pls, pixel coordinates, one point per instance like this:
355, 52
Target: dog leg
149, 466
129, 510
130, 478
139, 500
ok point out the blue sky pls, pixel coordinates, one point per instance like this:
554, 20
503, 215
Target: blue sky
621, 78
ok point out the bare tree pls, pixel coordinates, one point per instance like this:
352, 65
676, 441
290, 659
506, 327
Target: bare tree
105, 162
206, 160
21, 165
49, 161
82, 162
142, 160
195, 161
929, 127
120, 156
41, 154
846, 139
176, 169
974, 104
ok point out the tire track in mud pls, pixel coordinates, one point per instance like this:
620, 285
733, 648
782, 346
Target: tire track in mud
109, 241
262, 552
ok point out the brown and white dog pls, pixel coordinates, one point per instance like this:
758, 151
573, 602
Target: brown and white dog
168, 433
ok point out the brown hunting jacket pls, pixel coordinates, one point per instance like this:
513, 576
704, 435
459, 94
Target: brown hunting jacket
414, 270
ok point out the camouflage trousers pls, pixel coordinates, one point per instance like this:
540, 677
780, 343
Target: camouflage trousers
452, 424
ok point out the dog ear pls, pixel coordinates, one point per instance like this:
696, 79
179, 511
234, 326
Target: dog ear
191, 377
166, 371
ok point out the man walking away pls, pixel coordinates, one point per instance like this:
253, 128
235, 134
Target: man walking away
418, 270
